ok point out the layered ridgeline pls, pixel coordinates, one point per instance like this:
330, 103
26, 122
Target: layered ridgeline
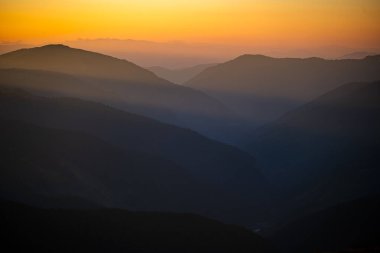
113, 81
327, 150
262, 88
151, 159
114, 230
179, 75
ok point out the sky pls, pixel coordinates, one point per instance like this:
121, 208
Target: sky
276, 24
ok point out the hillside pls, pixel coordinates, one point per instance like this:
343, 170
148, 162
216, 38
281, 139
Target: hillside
262, 88
348, 227
40, 161
115, 230
325, 151
212, 163
58, 70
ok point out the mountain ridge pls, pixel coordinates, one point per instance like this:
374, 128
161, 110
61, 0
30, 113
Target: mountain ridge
115, 82
261, 88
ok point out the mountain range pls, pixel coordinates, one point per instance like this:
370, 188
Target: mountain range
98, 152
186, 157
326, 151
260, 88
115, 82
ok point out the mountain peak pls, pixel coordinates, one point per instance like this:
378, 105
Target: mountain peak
55, 46
65, 59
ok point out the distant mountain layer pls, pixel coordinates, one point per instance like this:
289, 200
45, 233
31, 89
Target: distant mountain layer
356, 55
115, 230
327, 150
348, 227
181, 75
58, 70
262, 88
224, 169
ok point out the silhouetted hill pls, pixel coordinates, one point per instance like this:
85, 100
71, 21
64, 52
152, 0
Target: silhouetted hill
262, 88
113, 230
224, 168
327, 150
112, 81
179, 75
348, 227
61, 58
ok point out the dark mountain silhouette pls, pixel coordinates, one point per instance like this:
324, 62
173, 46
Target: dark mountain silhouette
348, 227
112, 81
181, 75
357, 55
222, 167
327, 150
114, 230
262, 88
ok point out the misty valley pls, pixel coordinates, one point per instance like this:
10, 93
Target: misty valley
254, 154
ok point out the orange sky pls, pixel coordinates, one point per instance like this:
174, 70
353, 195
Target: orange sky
270, 23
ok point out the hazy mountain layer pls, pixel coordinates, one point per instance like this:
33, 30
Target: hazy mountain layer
217, 165
115, 82
181, 75
261, 88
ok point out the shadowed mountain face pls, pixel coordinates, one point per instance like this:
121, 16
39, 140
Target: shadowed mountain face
224, 168
348, 227
112, 81
327, 150
40, 161
261, 88
113, 230
179, 75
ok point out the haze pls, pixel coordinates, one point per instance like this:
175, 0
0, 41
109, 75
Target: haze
201, 31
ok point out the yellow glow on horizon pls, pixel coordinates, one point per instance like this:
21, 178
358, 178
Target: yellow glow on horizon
346, 22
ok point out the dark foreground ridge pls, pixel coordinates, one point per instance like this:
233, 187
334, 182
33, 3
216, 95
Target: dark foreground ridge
116, 230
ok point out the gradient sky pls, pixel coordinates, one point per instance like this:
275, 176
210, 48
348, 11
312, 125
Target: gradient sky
273, 23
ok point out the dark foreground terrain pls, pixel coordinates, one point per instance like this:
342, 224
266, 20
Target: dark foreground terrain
30, 229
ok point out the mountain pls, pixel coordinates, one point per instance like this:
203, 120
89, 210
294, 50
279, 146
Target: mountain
61, 58
58, 70
348, 227
325, 151
356, 55
6, 47
181, 75
40, 161
115, 230
225, 168
262, 88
